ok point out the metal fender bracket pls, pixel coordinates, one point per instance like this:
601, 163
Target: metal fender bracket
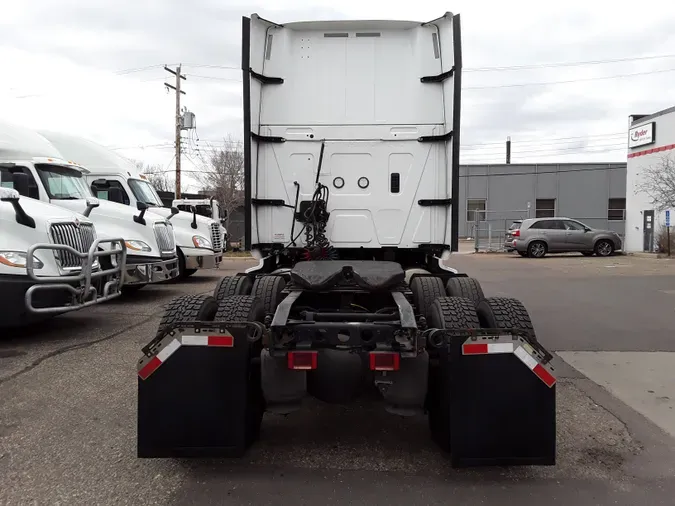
211, 334
532, 357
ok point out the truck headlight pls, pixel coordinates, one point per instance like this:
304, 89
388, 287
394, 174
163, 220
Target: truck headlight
137, 246
18, 259
201, 242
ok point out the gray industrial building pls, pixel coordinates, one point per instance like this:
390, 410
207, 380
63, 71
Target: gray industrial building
492, 196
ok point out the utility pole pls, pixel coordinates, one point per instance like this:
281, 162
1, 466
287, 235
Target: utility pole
178, 91
508, 150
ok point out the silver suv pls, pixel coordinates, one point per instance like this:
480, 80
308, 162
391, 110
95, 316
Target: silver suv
534, 237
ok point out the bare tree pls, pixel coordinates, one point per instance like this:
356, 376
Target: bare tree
157, 176
657, 181
223, 177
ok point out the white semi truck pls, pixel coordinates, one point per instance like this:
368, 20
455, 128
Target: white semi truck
351, 147
30, 164
50, 261
208, 207
199, 240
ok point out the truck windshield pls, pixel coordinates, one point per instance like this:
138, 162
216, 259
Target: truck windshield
63, 183
145, 192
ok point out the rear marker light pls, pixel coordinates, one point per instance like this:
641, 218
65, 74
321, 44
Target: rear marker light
384, 361
302, 360
516, 233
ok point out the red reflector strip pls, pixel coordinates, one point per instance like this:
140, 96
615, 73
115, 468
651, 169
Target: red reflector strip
486, 348
544, 375
475, 348
302, 360
535, 366
159, 359
149, 368
384, 361
225, 340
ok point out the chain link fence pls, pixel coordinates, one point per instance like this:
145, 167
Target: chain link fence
489, 230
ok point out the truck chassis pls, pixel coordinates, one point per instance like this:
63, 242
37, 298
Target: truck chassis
332, 329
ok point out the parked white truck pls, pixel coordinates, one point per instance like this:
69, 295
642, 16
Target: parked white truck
111, 177
50, 261
208, 207
30, 164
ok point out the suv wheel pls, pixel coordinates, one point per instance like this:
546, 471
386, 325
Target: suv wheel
536, 249
604, 248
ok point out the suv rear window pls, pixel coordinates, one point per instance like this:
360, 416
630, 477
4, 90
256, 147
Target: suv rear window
515, 225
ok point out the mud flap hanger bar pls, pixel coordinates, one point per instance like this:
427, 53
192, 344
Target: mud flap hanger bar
204, 328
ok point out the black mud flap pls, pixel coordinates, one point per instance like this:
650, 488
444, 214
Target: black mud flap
193, 392
502, 402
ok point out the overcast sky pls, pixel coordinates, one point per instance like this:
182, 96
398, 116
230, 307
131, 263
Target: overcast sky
96, 69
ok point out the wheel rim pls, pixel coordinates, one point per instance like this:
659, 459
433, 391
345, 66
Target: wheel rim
604, 248
537, 249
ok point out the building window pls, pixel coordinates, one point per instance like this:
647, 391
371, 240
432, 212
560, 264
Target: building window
616, 210
473, 205
545, 208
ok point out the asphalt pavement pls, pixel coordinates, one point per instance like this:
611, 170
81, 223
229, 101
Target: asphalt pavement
68, 412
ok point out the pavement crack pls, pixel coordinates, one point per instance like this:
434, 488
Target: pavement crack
72, 347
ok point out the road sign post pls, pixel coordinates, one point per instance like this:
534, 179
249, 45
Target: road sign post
668, 229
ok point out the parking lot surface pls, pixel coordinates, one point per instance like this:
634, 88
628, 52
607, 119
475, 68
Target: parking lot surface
68, 407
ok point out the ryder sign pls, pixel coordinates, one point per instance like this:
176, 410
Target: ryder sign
641, 135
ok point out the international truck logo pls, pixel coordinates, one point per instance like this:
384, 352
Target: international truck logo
641, 135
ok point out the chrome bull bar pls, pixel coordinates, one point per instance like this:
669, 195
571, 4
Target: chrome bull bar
85, 294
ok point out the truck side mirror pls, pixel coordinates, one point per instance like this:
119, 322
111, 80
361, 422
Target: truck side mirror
12, 196
174, 212
92, 203
142, 207
20, 182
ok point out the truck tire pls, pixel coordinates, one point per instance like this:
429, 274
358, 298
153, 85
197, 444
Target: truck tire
504, 313
268, 289
187, 308
247, 308
469, 288
232, 285
426, 289
446, 313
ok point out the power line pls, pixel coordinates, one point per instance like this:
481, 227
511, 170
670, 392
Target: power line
532, 140
566, 64
547, 83
583, 169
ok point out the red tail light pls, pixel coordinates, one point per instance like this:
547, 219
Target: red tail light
302, 360
516, 233
384, 361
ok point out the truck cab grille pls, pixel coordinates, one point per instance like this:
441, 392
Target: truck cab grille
165, 239
216, 237
79, 236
